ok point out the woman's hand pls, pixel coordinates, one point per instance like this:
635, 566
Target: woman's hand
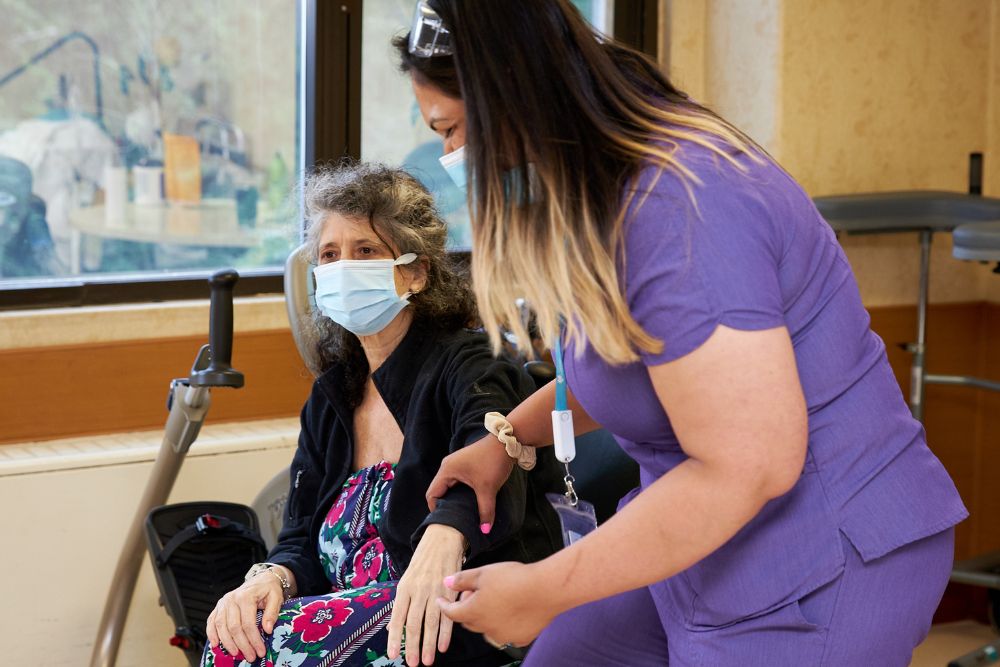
233, 622
438, 554
504, 601
484, 466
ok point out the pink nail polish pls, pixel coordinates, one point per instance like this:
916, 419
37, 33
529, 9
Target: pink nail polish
485, 528
449, 581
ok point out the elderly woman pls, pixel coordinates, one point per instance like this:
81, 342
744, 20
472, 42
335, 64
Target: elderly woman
359, 563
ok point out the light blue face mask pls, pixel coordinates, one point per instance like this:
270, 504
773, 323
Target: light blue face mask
360, 294
454, 164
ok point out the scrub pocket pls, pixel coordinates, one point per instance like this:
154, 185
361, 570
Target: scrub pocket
796, 633
790, 549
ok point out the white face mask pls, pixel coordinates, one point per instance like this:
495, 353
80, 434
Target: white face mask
360, 294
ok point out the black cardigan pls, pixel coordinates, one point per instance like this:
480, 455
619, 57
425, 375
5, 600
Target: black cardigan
438, 386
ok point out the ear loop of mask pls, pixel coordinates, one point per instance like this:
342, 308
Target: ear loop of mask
371, 223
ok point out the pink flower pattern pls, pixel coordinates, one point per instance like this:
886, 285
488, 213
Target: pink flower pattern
375, 596
221, 658
323, 629
337, 511
317, 619
368, 563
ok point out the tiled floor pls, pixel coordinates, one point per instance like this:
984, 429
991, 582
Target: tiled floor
949, 641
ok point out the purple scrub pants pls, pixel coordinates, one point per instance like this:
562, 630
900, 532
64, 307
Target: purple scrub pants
872, 614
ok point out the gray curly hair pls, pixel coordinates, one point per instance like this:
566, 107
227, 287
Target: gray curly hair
402, 213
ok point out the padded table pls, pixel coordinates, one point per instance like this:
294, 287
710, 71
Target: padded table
977, 242
924, 212
898, 212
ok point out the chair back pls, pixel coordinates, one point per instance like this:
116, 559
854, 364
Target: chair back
269, 505
300, 305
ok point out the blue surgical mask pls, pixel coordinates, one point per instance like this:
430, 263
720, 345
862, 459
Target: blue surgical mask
360, 294
454, 164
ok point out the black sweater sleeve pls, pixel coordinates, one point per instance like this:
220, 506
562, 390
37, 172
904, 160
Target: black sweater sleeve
477, 383
296, 546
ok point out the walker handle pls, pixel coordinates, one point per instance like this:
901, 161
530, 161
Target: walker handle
220, 372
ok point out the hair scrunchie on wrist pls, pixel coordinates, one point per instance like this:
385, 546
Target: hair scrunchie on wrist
498, 425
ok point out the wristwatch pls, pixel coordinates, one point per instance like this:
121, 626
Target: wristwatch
273, 568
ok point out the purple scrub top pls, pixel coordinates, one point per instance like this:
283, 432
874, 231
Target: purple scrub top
755, 254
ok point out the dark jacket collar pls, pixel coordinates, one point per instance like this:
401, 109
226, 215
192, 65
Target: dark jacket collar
394, 379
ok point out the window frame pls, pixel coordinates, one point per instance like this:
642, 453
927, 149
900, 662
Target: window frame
637, 23
330, 41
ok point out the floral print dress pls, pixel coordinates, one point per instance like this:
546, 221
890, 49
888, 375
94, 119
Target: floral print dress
346, 626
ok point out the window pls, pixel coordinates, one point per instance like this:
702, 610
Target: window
144, 144
141, 139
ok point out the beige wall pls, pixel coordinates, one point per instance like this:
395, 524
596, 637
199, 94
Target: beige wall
891, 94
992, 175
745, 42
683, 47
855, 96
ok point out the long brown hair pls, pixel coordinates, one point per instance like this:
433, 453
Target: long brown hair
541, 87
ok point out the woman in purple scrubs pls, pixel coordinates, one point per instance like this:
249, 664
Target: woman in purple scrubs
790, 511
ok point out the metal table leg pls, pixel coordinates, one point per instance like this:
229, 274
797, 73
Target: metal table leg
919, 349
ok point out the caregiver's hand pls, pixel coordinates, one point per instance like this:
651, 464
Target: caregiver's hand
484, 466
504, 601
438, 554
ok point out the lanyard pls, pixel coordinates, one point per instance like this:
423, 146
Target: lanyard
562, 422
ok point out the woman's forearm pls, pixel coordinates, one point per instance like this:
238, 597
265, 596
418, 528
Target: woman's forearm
532, 419
674, 523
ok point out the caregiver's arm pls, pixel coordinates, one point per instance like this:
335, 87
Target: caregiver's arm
532, 419
737, 408
484, 465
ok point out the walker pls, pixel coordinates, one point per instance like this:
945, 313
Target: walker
188, 403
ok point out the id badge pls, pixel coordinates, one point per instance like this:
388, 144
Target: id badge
576, 521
